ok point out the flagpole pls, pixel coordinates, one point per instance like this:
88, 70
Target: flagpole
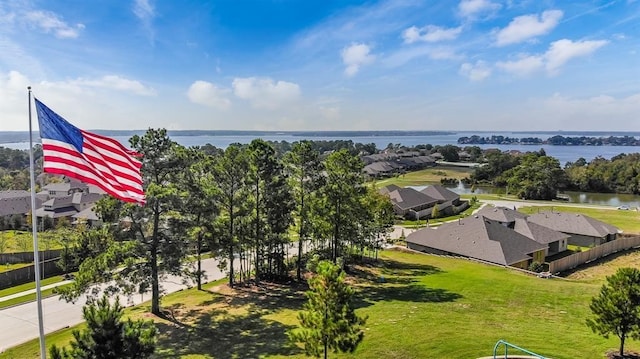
34, 230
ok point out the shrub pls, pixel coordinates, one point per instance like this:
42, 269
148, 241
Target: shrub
536, 267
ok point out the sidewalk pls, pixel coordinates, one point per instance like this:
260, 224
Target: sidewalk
31, 291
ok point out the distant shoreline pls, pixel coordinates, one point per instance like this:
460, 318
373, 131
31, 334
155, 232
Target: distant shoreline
556, 140
23, 136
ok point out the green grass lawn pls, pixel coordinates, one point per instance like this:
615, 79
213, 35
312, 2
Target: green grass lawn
427, 307
627, 221
438, 221
426, 176
30, 297
9, 267
28, 286
22, 241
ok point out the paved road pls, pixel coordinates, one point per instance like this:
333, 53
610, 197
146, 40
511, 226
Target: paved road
518, 204
20, 323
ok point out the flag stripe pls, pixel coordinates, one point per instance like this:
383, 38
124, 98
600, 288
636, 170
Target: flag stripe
114, 147
106, 164
62, 158
89, 157
61, 152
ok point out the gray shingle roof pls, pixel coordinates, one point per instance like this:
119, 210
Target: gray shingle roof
478, 237
16, 202
573, 223
389, 188
501, 214
440, 193
538, 233
409, 198
88, 214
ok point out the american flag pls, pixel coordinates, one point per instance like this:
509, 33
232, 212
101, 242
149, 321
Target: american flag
89, 157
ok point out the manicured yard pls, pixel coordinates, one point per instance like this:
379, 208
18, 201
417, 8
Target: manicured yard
21, 241
426, 307
426, 177
627, 221
30, 297
8, 267
28, 286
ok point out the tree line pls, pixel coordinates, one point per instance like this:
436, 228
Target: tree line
556, 140
535, 175
245, 205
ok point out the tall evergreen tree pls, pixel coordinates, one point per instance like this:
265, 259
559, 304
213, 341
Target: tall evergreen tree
272, 204
616, 309
149, 242
231, 175
342, 193
304, 169
328, 320
199, 192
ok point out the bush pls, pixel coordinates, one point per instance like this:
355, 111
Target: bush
536, 267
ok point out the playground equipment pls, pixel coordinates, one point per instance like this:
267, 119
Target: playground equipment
507, 345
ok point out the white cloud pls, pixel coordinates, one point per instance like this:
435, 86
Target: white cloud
473, 8
404, 55
50, 22
208, 94
430, 33
525, 27
144, 10
13, 92
114, 82
355, 56
524, 66
265, 93
558, 54
561, 51
579, 111
475, 72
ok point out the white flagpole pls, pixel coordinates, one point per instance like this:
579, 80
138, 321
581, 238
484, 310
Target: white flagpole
34, 230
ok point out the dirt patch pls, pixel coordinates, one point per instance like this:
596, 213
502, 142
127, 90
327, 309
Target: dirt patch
603, 267
613, 354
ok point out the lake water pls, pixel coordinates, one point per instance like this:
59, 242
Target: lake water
564, 154
600, 199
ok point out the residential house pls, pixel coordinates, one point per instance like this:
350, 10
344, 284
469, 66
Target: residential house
555, 241
582, 230
391, 164
511, 218
67, 206
480, 238
411, 203
87, 216
381, 169
504, 215
15, 203
66, 188
448, 201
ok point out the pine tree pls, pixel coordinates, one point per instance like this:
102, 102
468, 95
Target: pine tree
328, 320
303, 166
617, 307
107, 336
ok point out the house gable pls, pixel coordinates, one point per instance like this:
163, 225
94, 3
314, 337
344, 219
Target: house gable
573, 223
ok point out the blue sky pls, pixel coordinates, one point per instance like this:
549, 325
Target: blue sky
324, 64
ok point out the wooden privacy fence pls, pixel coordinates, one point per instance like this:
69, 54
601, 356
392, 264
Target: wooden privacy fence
594, 253
27, 274
26, 257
